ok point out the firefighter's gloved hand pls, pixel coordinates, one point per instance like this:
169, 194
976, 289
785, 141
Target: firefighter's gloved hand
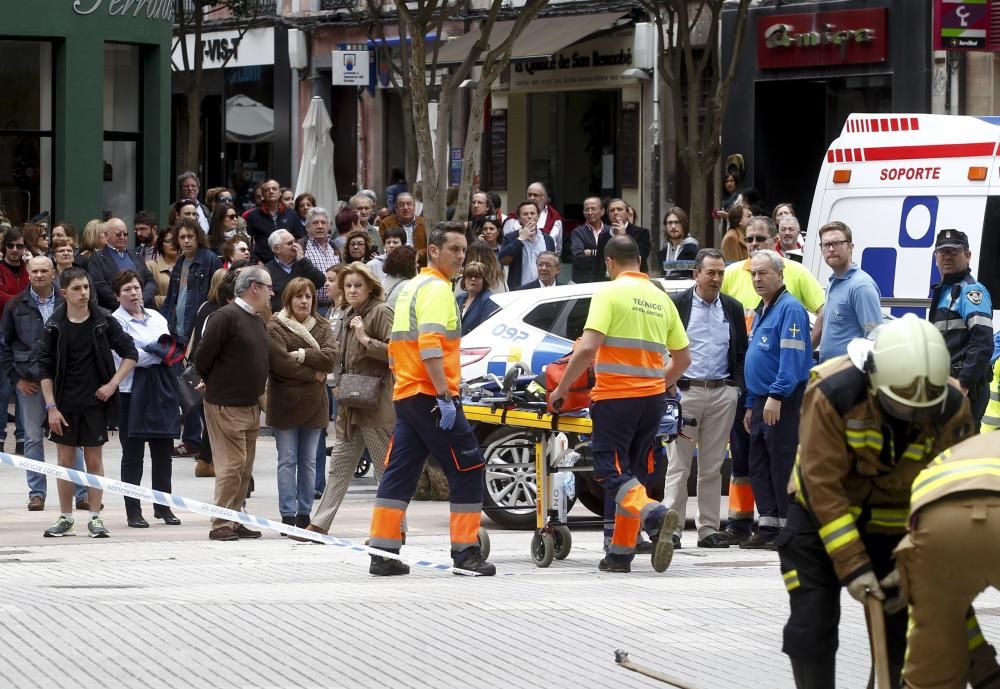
865, 585
897, 601
447, 410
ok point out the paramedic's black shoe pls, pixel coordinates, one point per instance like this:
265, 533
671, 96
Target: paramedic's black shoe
473, 561
386, 567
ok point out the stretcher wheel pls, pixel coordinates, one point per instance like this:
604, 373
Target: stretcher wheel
562, 542
484, 542
542, 549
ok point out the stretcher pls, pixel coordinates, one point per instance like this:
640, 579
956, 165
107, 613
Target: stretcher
552, 538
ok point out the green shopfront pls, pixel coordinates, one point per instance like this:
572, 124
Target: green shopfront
84, 108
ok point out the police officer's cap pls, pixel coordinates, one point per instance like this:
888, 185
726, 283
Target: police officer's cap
951, 239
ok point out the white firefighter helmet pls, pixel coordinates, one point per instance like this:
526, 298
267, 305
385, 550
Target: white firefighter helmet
908, 366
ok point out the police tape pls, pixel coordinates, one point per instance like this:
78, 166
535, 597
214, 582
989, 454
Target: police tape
131, 490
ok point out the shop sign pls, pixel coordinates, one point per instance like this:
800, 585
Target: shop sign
584, 65
162, 10
227, 48
961, 24
350, 68
822, 39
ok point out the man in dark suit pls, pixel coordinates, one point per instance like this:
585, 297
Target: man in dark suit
522, 247
587, 265
618, 215
711, 388
548, 265
289, 262
113, 258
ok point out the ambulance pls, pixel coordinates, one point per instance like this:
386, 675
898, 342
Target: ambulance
896, 180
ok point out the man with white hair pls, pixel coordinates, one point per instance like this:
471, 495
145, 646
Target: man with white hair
318, 248
289, 262
364, 204
778, 360
232, 359
790, 238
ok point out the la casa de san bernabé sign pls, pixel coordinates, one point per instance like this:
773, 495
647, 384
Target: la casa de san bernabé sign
150, 9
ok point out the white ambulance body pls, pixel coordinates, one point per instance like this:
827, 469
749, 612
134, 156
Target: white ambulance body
896, 180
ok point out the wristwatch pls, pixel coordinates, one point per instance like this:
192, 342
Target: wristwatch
446, 396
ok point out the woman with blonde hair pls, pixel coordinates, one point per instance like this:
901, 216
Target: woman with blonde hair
94, 238
301, 354
481, 252
364, 352
474, 301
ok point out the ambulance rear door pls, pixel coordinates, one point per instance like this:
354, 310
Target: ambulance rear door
897, 189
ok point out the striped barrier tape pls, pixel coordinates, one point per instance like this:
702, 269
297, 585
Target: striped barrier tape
131, 490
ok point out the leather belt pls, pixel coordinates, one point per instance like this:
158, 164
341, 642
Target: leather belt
686, 383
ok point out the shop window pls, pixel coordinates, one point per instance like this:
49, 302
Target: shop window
122, 130
25, 129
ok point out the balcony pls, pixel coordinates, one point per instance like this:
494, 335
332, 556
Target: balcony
337, 4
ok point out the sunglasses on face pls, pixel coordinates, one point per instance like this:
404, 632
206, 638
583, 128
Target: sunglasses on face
231, 216
757, 240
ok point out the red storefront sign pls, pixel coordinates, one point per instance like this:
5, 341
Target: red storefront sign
822, 39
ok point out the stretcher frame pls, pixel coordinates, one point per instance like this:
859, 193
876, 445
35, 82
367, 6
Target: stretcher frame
552, 538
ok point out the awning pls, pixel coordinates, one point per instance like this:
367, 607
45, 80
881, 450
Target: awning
541, 38
247, 121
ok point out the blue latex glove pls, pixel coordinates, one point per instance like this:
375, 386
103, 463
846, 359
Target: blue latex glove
448, 412
670, 423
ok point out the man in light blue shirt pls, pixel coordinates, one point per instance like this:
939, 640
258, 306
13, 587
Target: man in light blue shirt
852, 297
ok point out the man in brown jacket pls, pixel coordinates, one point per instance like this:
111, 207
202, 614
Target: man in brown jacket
950, 556
407, 218
869, 425
232, 360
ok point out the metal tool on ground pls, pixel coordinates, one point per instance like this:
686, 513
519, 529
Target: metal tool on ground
875, 617
621, 657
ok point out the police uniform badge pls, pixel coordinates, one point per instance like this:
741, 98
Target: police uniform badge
975, 296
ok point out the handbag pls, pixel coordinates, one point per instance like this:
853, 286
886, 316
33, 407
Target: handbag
358, 391
187, 382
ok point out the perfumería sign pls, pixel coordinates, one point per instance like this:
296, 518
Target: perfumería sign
822, 39
590, 63
162, 10
227, 48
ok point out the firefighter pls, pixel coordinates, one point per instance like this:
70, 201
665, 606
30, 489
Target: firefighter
424, 357
871, 421
630, 327
950, 556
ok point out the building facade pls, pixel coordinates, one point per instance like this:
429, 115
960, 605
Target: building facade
84, 122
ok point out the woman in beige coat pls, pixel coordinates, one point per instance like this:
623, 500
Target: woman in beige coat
302, 352
363, 349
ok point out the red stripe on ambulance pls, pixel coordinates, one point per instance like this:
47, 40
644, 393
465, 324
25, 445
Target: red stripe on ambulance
931, 151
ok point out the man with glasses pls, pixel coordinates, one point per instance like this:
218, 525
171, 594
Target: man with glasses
962, 310
271, 215
761, 233
318, 248
13, 281
547, 264
188, 187
289, 262
114, 258
232, 360
852, 306
365, 207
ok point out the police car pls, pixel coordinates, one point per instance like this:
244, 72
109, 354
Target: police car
533, 327
898, 179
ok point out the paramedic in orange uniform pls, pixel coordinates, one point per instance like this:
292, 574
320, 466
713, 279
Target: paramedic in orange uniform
631, 325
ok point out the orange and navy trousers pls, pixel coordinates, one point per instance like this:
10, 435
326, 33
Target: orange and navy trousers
622, 443
415, 436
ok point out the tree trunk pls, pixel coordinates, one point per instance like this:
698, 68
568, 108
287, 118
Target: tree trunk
192, 149
700, 228
409, 138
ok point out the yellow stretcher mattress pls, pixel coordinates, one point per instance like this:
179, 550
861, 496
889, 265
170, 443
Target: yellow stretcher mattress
526, 419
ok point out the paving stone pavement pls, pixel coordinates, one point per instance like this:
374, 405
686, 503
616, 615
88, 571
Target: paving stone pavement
165, 607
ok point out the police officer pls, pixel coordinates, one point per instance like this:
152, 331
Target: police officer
424, 357
630, 327
776, 370
962, 310
870, 422
950, 556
